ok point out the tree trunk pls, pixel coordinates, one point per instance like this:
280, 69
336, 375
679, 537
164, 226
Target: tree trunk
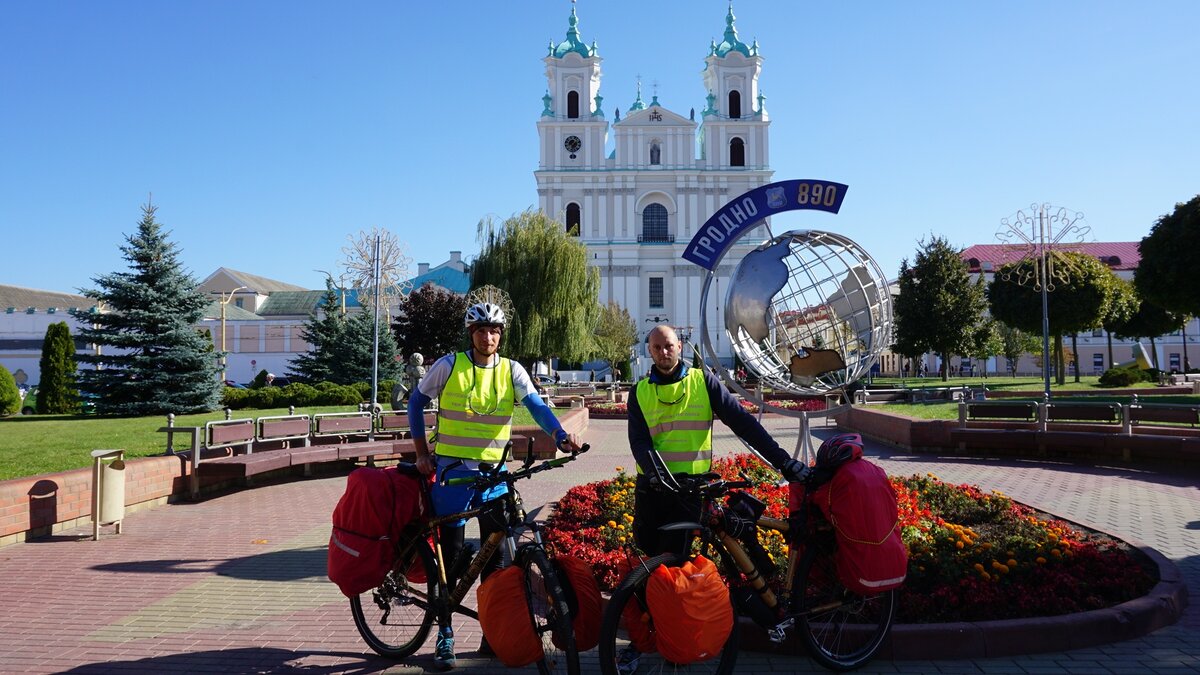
1154, 354
1183, 332
1110, 358
1061, 378
1075, 351
946, 367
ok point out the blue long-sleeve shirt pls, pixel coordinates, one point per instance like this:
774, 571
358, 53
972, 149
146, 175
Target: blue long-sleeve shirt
542, 414
725, 408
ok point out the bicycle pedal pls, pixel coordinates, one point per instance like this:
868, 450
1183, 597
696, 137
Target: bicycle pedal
778, 634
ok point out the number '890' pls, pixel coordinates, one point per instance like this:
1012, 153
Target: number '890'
816, 194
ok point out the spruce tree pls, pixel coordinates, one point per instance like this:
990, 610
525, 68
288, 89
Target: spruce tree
56, 390
153, 360
323, 334
351, 356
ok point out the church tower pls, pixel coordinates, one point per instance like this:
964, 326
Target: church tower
637, 207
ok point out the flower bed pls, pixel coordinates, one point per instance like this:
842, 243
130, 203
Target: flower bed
973, 556
605, 409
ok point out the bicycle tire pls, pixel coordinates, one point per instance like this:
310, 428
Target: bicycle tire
613, 637
850, 628
549, 613
375, 610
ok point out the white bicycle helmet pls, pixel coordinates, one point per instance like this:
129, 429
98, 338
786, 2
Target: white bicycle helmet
484, 313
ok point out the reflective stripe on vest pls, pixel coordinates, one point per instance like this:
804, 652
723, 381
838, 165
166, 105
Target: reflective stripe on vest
679, 417
475, 410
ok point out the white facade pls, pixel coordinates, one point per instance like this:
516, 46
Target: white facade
636, 190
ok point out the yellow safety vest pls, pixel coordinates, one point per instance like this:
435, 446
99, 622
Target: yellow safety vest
679, 417
475, 410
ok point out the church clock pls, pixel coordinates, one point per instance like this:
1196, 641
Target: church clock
572, 144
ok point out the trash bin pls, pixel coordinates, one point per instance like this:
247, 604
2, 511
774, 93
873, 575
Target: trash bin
108, 489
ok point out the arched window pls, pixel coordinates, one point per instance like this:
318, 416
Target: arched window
735, 104
654, 223
655, 154
573, 219
737, 152
573, 104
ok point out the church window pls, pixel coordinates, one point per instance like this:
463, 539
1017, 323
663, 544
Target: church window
238, 302
655, 153
735, 104
573, 219
656, 292
737, 152
573, 105
654, 223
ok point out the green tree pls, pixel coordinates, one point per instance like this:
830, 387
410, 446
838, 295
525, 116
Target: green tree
323, 332
616, 334
56, 389
1149, 321
985, 342
10, 396
1123, 303
554, 292
1082, 289
430, 323
1014, 342
938, 306
1166, 274
156, 362
351, 357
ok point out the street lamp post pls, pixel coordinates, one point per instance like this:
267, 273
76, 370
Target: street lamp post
1048, 226
341, 279
225, 301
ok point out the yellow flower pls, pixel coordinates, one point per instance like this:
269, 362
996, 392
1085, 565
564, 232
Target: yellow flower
979, 567
1040, 560
620, 468
1011, 562
620, 527
1055, 552
612, 523
958, 545
621, 539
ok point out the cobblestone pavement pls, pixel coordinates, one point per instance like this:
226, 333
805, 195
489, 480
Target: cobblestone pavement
236, 584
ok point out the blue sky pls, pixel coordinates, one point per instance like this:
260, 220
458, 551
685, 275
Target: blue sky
270, 131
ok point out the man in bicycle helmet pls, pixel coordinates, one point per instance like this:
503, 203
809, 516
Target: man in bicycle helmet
670, 418
478, 390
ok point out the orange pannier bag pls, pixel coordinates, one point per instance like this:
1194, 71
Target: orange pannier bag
636, 619
504, 618
692, 613
583, 598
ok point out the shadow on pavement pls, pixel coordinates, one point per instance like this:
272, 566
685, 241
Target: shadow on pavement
284, 565
250, 660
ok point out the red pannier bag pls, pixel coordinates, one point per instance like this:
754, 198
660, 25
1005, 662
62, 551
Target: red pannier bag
504, 618
860, 503
692, 613
583, 598
368, 519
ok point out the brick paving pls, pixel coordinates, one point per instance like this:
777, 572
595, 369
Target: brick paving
236, 584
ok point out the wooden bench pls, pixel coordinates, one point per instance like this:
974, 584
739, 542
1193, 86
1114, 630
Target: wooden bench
395, 424
1023, 411
1086, 412
343, 426
1165, 413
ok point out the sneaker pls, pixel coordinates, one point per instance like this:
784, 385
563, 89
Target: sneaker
485, 649
627, 660
443, 652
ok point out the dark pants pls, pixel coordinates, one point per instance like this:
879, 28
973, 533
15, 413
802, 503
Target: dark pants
653, 508
452, 539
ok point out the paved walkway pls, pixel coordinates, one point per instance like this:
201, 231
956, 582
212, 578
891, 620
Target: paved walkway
236, 584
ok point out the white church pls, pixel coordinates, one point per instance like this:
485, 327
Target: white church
637, 206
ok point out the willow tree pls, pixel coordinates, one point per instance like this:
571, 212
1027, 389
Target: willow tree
545, 272
1080, 297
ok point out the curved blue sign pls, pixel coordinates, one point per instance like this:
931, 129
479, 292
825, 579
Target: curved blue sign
742, 213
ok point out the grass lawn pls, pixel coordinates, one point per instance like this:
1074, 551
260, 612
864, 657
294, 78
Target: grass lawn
35, 444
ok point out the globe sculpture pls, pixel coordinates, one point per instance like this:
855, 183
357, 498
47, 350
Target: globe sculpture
808, 312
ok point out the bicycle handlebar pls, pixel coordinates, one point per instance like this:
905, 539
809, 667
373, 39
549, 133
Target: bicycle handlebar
487, 479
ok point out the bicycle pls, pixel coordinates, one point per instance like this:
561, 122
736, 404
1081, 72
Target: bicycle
396, 617
841, 630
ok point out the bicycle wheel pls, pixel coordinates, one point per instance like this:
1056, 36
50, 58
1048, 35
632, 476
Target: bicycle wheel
550, 614
394, 619
842, 630
616, 643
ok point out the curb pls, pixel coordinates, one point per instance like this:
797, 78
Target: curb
1161, 607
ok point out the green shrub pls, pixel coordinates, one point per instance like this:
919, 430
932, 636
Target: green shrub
1122, 377
235, 398
363, 389
298, 394
266, 397
10, 396
339, 395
